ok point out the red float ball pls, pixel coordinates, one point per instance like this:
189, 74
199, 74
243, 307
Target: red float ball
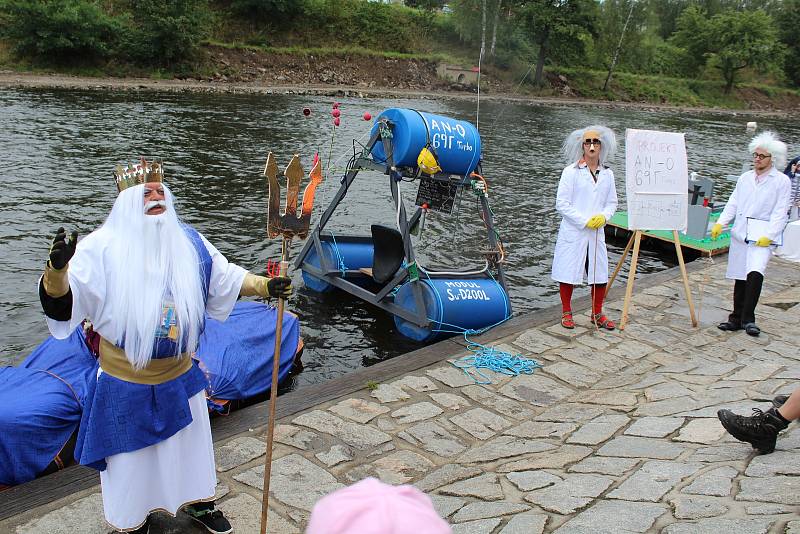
336, 105
336, 112
306, 111
336, 121
367, 116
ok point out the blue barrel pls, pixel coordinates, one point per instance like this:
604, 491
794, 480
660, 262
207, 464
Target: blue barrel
457, 144
339, 255
454, 305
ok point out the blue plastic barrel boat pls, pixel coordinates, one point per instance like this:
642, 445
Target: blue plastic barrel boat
340, 255
453, 306
457, 144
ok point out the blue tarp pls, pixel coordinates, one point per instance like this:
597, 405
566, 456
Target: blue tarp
40, 405
237, 355
70, 359
42, 398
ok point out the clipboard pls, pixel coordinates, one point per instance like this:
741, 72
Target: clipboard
758, 228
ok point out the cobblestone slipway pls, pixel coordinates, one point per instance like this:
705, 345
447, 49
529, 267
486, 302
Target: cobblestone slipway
616, 434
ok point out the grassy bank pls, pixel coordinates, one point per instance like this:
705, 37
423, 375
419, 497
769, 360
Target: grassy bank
664, 90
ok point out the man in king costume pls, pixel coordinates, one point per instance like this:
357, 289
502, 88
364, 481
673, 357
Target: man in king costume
145, 280
758, 208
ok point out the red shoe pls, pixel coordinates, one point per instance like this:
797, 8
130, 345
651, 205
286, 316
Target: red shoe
603, 322
567, 321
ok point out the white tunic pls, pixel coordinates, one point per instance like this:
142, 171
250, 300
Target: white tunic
578, 199
180, 469
164, 476
766, 201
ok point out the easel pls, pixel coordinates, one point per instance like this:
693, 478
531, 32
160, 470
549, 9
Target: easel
635, 241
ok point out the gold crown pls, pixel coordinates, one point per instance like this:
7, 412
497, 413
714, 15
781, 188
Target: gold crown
141, 173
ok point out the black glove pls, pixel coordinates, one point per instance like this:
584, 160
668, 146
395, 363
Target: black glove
280, 287
62, 250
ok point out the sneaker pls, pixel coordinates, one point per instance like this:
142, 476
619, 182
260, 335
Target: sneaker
779, 400
759, 430
211, 519
751, 329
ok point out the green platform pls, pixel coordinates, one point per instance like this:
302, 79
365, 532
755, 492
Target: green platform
707, 247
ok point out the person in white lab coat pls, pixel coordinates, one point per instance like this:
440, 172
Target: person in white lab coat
758, 208
586, 199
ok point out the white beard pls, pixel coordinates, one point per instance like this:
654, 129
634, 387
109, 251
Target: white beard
151, 260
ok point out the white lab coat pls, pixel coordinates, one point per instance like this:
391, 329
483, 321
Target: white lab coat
767, 201
578, 199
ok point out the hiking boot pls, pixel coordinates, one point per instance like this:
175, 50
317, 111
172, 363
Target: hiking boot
210, 518
779, 400
759, 430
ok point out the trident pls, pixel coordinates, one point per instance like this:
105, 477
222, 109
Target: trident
287, 226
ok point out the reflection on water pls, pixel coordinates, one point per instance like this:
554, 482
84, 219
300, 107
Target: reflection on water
59, 148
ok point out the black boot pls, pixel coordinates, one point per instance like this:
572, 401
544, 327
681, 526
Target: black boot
759, 430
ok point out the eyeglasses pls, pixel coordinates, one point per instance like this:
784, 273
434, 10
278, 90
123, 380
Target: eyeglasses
588, 142
760, 157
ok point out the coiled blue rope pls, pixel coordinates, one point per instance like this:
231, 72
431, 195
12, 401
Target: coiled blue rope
484, 357
494, 360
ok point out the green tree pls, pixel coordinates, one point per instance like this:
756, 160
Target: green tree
693, 34
731, 41
667, 13
429, 5
789, 12
166, 33
507, 41
558, 28
59, 30
269, 10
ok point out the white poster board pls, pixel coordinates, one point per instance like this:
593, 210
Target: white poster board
656, 180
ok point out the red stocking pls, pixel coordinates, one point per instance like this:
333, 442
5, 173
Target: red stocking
598, 294
565, 291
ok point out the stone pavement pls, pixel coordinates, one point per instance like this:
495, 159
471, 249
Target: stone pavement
617, 432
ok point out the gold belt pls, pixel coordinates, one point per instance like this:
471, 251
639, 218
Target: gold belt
114, 362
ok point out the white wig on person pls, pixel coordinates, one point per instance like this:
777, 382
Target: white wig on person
572, 149
770, 142
151, 260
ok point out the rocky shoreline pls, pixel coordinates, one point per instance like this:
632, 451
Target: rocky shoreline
11, 79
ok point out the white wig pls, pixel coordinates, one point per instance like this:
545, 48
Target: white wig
151, 261
769, 142
572, 149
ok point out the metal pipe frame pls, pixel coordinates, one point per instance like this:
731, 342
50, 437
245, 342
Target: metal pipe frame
336, 278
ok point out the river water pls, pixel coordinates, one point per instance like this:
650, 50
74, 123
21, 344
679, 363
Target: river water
59, 148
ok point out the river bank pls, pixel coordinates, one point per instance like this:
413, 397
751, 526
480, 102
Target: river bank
438, 90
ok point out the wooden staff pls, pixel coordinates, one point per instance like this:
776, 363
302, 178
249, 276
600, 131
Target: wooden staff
287, 226
273, 392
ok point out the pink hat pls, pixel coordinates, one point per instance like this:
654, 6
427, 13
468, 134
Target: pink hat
372, 507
